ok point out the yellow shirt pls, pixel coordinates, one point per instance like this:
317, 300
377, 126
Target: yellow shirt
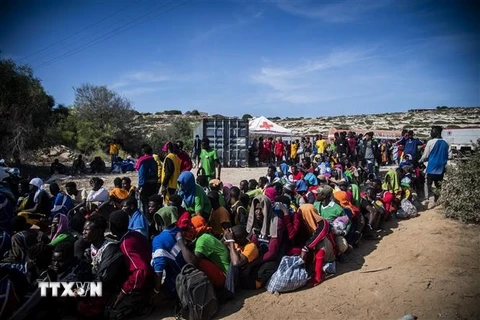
293, 149
114, 148
321, 146
250, 251
172, 184
159, 167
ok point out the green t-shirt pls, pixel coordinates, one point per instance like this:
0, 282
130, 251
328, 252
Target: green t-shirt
331, 212
201, 203
208, 160
214, 250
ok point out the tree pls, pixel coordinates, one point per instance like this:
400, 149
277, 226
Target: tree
25, 109
179, 129
101, 114
247, 116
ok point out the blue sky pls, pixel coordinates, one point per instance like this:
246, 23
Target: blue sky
272, 58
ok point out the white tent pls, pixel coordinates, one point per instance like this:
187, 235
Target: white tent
263, 126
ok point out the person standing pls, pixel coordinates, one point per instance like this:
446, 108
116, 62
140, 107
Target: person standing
185, 160
370, 150
410, 145
114, 148
171, 171
436, 154
209, 161
197, 148
147, 176
321, 145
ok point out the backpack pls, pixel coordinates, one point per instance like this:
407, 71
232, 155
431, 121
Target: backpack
196, 294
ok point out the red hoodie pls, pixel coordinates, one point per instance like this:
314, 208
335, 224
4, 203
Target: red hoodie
137, 254
185, 161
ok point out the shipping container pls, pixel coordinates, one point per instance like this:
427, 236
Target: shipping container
229, 137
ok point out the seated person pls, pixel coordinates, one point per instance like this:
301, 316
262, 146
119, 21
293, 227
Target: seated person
40, 258
57, 168
25, 198
108, 267
78, 196
183, 216
116, 196
242, 253
135, 291
138, 222
266, 231
62, 203
59, 231
209, 254
97, 166
330, 210
79, 166
166, 258
238, 211
41, 200
95, 198
217, 186
219, 217
22, 239
127, 185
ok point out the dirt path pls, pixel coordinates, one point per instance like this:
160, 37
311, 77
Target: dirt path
434, 274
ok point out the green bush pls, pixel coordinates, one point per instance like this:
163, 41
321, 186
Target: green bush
460, 191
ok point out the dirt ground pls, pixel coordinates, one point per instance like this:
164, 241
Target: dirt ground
429, 268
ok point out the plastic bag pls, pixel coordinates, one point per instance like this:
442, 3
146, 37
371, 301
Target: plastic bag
290, 275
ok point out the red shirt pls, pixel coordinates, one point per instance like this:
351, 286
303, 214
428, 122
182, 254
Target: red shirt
279, 149
268, 145
136, 250
185, 161
298, 176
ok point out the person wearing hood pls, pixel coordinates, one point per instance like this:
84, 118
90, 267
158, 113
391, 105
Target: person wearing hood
59, 231
209, 254
42, 204
219, 217
195, 200
266, 230
135, 290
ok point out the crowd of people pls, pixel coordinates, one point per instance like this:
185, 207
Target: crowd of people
136, 239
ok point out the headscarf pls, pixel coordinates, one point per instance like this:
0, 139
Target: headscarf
168, 215
270, 221
310, 216
37, 182
355, 195
284, 168
62, 225
301, 186
393, 184
187, 181
215, 183
342, 198
200, 226
311, 179
271, 193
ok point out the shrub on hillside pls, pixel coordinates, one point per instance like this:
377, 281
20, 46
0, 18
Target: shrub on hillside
460, 191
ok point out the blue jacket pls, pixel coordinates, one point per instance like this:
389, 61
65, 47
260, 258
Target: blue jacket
148, 172
411, 146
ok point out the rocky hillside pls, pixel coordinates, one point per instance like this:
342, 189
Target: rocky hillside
418, 120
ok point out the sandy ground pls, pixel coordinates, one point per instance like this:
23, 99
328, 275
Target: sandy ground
430, 268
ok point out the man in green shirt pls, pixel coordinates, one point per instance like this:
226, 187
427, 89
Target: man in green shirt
327, 207
209, 161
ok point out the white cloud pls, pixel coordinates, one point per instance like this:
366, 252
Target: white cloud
339, 11
138, 91
311, 81
141, 77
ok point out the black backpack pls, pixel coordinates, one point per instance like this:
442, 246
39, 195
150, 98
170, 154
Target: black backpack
196, 294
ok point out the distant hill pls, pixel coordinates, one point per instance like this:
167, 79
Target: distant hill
418, 120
